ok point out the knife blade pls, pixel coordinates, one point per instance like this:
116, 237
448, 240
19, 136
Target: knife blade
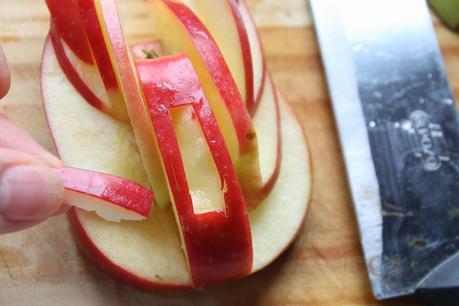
399, 133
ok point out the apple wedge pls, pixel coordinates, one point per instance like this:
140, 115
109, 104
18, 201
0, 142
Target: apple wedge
207, 199
111, 197
228, 30
148, 254
179, 30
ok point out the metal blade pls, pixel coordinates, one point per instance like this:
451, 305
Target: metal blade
399, 132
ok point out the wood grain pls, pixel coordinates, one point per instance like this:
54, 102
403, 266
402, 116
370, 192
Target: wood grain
324, 267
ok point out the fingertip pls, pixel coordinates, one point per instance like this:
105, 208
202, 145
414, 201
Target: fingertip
30, 192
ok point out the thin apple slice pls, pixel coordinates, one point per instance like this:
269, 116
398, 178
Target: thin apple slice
84, 77
102, 21
268, 126
74, 23
111, 197
208, 201
256, 51
179, 30
65, 16
148, 254
228, 30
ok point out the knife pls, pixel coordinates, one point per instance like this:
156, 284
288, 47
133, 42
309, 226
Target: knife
399, 133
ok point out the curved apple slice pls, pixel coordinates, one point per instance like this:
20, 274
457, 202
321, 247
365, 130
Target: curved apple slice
65, 16
228, 30
179, 30
111, 197
214, 224
84, 77
148, 254
268, 126
256, 51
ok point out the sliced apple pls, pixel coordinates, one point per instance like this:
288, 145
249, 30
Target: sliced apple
208, 201
147, 50
179, 30
228, 30
148, 254
111, 197
84, 77
256, 51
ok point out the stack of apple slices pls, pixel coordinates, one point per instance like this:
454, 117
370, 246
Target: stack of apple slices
191, 112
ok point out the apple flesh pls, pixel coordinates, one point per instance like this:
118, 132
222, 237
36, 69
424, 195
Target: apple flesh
112, 198
217, 240
148, 254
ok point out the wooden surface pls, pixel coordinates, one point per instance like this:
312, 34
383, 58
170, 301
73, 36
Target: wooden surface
42, 266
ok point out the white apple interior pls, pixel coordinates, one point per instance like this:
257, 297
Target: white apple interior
202, 176
106, 210
89, 139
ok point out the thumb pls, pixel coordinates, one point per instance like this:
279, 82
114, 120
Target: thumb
30, 192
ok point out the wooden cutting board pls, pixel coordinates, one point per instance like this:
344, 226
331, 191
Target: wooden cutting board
42, 266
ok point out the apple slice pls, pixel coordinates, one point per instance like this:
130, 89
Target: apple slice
113, 198
84, 77
110, 35
179, 30
256, 51
75, 26
65, 16
228, 30
268, 126
148, 254
208, 200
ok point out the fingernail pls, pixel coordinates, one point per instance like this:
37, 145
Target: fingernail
30, 192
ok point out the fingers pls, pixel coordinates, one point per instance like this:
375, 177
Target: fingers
30, 191
4, 75
11, 137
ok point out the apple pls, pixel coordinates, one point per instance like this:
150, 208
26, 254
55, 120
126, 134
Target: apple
179, 29
148, 254
207, 198
112, 198
256, 51
228, 30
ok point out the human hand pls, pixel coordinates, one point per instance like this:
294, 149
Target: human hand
31, 190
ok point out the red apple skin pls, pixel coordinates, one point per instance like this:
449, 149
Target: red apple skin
113, 189
65, 15
246, 54
218, 243
71, 73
